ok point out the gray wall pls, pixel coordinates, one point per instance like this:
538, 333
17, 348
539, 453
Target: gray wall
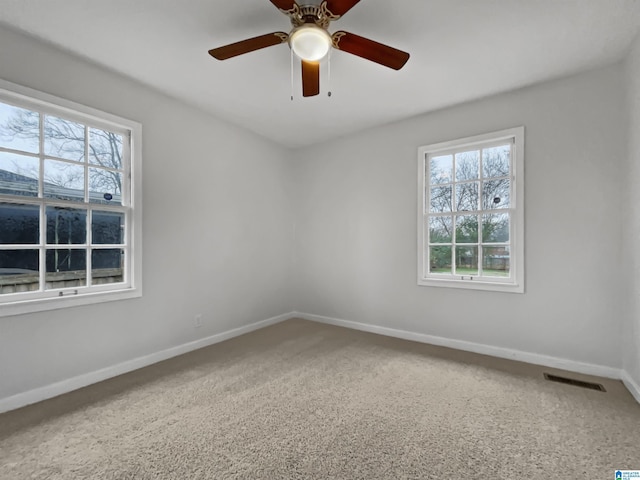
356, 202
216, 239
632, 219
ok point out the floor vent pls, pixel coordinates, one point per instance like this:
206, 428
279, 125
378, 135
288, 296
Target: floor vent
574, 382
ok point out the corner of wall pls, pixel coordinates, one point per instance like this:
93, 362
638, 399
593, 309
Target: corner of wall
631, 229
291, 158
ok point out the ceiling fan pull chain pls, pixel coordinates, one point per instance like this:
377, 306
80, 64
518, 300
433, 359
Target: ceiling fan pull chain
291, 75
329, 74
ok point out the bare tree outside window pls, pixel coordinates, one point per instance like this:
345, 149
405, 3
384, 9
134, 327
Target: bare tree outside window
462, 185
65, 139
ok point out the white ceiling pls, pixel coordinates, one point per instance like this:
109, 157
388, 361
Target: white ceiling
460, 50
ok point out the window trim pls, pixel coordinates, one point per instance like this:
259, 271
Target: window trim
33, 99
516, 285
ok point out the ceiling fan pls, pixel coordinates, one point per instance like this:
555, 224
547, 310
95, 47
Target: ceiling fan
310, 40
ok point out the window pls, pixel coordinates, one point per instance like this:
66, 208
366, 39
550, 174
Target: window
470, 212
69, 213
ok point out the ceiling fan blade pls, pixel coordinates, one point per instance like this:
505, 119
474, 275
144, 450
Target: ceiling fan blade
248, 45
374, 51
310, 78
285, 5
340, 7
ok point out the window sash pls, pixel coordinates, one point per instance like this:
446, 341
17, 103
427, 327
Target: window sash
88, 247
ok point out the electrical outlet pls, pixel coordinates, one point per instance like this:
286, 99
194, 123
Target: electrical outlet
197, 320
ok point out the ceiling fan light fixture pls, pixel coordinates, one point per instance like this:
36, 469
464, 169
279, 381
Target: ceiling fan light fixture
310, 42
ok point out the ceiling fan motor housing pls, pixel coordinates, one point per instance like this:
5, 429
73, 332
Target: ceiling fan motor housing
305, 14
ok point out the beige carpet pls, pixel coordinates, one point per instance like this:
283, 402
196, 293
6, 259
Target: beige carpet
304, 400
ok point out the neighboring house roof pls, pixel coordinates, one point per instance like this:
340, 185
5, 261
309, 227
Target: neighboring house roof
6, 176
14, 183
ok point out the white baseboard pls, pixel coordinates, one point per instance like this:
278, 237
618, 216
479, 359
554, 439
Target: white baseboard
631, 385
534, 358
68, 385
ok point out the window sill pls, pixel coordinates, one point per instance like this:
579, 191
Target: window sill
472, 285
55, 303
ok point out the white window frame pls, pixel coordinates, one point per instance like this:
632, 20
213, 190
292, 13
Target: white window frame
515, 282
131, 287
